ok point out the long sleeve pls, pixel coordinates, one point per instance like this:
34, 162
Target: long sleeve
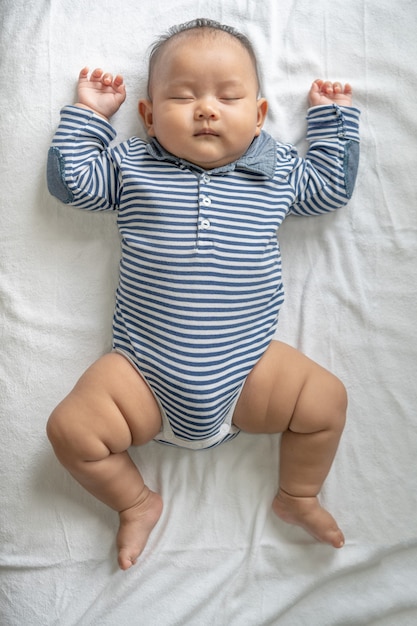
325, 179
82, 169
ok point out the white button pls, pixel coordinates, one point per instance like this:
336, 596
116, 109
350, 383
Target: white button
206, 201
205, 223
205, 178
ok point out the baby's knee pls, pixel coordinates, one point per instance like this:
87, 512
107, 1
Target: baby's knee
324, 401
58, 428
337, 401
337, 390
70, 441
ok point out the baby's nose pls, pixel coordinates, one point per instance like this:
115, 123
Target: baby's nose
206, 109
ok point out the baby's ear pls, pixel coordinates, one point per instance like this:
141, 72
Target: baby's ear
146, 113
262, 105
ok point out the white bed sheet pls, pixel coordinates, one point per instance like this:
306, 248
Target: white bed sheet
218, 555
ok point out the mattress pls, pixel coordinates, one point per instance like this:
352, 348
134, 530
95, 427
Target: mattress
218, 555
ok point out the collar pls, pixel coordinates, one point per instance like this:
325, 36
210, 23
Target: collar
260, 157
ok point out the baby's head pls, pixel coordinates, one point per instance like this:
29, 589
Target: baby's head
205, 29
203, 87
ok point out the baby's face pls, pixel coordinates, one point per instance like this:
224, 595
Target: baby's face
204, 105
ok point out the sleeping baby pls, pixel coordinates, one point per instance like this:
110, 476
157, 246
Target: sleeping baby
199, 204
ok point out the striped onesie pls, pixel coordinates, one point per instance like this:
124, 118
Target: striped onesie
200, 283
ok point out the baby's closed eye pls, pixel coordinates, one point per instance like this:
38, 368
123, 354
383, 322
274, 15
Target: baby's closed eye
181, 97
229, 97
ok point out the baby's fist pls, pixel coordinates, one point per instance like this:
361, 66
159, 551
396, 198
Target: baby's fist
326, 92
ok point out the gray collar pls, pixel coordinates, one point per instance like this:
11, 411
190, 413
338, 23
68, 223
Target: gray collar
260, 157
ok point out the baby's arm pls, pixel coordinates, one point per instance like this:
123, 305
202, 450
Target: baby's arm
326, 176
326, 92
82, 169
100, 92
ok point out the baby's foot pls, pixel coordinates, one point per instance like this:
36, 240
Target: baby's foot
136, 524
307, 513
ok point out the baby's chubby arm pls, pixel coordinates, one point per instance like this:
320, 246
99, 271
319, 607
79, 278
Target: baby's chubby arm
100, 92
330, 164
325, 92
82, 169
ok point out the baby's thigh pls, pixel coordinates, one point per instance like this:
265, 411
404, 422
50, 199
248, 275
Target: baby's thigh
111, 402
282, 382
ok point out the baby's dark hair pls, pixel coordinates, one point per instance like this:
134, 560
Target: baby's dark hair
195, 25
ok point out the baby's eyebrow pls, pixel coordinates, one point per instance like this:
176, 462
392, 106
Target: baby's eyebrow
232, 81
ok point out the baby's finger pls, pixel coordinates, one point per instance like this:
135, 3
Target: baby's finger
327, 87
83, 73
319, 82
337, 87
96, 74
107, 79
347, 90
118, 80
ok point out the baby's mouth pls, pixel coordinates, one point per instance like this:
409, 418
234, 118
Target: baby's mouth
206, 131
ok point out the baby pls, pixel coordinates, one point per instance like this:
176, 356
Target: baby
194, 358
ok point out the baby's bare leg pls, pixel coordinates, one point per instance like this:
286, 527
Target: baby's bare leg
287, 392
109, 409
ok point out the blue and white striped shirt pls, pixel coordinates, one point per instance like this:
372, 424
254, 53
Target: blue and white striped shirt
200, 273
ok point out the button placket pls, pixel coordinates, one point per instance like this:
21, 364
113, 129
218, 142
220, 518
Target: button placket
205, 203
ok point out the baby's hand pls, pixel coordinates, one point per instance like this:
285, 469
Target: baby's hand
326, 92
101, 92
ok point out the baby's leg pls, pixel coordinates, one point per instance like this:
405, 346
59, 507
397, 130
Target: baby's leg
109, 409
287, 392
